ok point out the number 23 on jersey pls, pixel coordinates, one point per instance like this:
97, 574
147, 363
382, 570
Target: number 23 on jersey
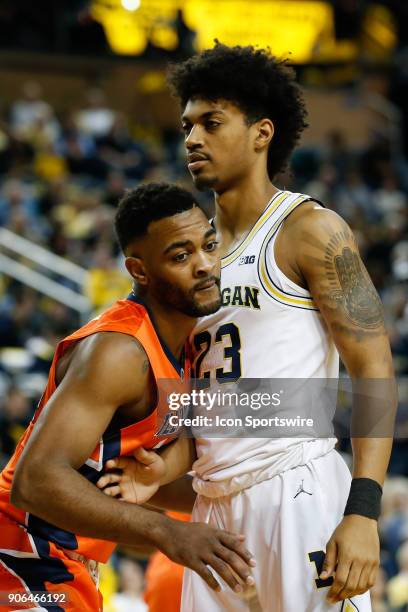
228, 335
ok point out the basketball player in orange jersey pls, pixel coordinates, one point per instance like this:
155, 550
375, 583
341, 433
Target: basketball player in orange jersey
100, 402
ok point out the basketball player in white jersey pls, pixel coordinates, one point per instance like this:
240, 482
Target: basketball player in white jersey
295, 295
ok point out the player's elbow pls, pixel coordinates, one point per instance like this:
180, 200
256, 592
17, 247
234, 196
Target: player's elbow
26, 486
19, 495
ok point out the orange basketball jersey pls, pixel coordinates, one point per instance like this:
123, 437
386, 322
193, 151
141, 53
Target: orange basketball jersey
129, 317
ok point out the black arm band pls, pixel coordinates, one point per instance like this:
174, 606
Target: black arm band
364, 498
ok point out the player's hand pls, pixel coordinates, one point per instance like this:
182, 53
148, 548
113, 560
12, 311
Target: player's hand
200, 547
133, 480
353, 556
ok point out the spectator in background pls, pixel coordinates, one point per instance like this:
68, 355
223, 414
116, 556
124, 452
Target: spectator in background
379, 602
5, 145
52, 194
322, 186
15, 196
393, 524
120, 151
43, 131
399, 258
83, 222
389, 200
115, 188
96, 119
29, 109
16, 155
79, 149
398, 586
337, 153
354, 200
20, 316
15, 414
106, 282
49, 165
129, 598
375, 160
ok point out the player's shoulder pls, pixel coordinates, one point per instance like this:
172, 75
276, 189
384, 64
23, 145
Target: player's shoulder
313, 219
112, 342
123, 314
107, 365
110, 354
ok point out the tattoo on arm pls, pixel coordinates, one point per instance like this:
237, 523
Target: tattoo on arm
356, 295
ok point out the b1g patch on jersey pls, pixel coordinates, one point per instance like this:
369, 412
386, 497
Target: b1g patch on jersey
166, 428
246, 260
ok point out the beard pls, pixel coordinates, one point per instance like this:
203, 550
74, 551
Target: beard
204, 183
186, 302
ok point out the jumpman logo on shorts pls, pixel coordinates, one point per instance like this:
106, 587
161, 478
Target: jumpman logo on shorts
301, 490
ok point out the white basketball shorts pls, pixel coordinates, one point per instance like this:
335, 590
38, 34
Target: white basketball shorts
287, 521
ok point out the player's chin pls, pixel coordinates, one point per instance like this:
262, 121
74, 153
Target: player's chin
207, 304
203, 181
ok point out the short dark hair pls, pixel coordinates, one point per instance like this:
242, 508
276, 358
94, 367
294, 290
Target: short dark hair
257, 82
147, 203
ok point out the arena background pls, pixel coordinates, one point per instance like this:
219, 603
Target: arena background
84, 113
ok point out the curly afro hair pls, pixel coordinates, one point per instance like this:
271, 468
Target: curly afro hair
259, 84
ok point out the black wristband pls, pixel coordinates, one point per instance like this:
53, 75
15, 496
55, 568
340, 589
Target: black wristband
364, 498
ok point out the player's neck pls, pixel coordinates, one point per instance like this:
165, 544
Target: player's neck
172, 326
237, 209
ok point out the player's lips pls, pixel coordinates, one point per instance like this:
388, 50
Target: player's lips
209, 284
196, 161
194, 166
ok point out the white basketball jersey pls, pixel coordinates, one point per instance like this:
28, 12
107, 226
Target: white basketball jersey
267, 327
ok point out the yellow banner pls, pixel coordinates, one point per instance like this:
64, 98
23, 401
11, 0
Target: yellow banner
291, 28
302, 30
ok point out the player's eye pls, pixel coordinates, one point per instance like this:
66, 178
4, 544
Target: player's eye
211, 125
186, 129
212, 246
180, 257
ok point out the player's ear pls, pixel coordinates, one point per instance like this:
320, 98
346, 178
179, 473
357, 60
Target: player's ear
136, 269
264, 134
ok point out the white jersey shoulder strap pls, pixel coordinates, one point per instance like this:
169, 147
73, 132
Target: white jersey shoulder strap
265, 218
289, 296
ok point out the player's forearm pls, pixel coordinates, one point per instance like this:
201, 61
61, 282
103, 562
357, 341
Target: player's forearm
64, 498
179, 457
178, 496
371, 457
374, 410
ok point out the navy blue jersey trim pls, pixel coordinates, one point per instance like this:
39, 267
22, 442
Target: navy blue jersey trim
310, 309
295, 295
304, 297
344, 603
43, 529
179, 367
36, 572
264, 247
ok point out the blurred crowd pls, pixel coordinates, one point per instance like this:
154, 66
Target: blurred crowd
61, 176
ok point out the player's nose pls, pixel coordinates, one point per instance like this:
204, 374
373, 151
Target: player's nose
194, 138
205, 264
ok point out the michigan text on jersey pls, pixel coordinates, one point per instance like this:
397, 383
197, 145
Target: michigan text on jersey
247, 297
